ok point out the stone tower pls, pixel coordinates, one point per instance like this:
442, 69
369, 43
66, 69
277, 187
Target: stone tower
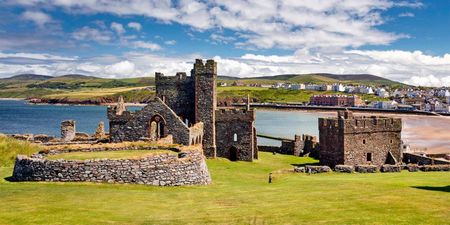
353, 140
205, 76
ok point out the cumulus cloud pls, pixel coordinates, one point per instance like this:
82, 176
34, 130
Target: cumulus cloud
39, 18
92, 34
135, 25
414, 68
146, 45
262, 23
121, 68
118, 28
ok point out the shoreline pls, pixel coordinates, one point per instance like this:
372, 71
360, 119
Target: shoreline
264, 106
12, 99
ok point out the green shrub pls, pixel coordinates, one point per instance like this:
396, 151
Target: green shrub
10, 148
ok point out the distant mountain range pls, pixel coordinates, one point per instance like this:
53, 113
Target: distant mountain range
367, 79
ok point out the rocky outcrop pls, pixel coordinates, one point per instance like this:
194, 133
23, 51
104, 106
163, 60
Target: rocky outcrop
391, 168
366, 168
344, 169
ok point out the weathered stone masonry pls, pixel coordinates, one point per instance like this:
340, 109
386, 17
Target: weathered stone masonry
350, 140
134, 126
163, 170
232, 143
182, 104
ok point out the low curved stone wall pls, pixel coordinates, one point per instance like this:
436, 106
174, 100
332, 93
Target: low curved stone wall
163, 170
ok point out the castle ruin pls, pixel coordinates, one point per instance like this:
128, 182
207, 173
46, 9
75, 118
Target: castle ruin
185, 107
352, 140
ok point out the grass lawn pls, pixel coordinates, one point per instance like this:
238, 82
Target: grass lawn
87, 93
239, 194
123, 154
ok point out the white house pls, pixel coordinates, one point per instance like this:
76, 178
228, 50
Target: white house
381, 92
366, 90
313, 87
338, 87
297, 86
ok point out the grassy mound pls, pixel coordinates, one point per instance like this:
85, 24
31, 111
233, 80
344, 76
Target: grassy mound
10, 148
122, 154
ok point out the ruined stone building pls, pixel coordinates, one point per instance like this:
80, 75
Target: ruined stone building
185, 107
352, 140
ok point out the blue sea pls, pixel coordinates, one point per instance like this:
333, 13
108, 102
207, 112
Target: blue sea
19, 117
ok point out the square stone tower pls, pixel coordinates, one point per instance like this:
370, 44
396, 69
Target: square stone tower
351, 140
205, 76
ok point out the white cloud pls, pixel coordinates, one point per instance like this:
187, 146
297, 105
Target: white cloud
35, 56
406, 14
121, 68
411, 67
222, 39
92, 34
263, 23
135, 25
170, 42
118, 28
146, 45
39, 18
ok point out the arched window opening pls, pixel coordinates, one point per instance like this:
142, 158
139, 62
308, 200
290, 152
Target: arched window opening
156, 128
235, 137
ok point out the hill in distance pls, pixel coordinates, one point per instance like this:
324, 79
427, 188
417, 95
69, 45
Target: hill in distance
92, 81
317, 78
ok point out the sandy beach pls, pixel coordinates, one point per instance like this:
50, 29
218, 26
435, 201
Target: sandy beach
421, 132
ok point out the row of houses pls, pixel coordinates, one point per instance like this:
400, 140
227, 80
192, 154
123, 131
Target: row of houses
348, 89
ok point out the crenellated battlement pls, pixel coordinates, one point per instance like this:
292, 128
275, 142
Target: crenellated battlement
361, 124
235, 114
179, 77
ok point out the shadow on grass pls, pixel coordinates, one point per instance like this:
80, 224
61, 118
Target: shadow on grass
10, 179
429, 188
306, 164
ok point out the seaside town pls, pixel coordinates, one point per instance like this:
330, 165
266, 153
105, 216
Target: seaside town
402, 99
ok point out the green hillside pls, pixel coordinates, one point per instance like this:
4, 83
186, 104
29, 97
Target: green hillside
40, 86
80, 89
319, 78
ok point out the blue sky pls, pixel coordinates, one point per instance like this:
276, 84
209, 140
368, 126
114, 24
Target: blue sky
406, 41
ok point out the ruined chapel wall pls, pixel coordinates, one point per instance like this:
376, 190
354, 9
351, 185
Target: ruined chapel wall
137, 127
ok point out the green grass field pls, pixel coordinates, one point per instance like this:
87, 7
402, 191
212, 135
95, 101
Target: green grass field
239, 194
123, 154
278, 95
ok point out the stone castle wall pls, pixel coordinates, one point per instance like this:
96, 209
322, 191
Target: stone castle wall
163, 170
352, 140
135, 126
178, 92
206, 103
235, 132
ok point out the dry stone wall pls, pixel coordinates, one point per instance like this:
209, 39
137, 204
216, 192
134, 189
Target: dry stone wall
166, 169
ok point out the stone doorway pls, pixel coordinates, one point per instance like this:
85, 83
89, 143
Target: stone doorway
233, 154
156, 128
